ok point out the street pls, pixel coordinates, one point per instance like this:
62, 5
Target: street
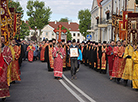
39, 85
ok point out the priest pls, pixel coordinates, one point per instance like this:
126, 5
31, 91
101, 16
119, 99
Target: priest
104, 59
67, 55
128, 70
49, 56
15, 71
30, 50
58, 54
110, 55
64, 59
5, 60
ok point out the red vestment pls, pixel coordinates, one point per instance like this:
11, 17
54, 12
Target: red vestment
119, 62
42, 53
98, 59
109, 52
103, 67
30, 50
15, 71
58, 61
7, 57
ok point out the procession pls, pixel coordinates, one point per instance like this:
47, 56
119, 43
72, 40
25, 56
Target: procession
92, 61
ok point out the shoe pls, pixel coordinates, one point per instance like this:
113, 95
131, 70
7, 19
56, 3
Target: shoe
3, 99
78, 70
75, 77
72, 78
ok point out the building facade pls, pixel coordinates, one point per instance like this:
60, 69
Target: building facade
101, 17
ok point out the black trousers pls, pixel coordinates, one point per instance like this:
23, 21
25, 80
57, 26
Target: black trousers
74, 65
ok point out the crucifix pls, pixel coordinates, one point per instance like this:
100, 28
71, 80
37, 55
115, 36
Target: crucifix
60, 31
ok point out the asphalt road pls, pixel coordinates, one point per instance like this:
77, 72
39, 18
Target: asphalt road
39, 85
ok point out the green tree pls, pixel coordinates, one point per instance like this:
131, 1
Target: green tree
24, 30
16, 5
64, 19
84, 17
39, 15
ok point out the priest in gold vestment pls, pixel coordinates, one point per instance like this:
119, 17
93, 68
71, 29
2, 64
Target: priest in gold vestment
135, 69
10, 66
128, 70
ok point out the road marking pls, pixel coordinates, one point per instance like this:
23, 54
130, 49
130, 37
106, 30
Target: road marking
79, 90
71, 91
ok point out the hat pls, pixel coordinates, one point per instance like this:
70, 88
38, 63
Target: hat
104, 42
50, 40
99, 42
82, 41
63, 40
93, 42
96, 43
53, 39
73, 40
69, 41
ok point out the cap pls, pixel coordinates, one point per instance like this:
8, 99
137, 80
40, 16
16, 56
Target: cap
104, 42
69, 41
73, 40
63, 40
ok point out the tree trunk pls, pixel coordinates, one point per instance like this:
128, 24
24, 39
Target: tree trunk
39, 34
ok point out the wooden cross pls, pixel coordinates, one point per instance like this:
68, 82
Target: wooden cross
60, 30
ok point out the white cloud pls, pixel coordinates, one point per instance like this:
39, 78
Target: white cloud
69, 8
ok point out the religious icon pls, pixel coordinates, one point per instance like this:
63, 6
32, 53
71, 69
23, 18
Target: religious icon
133, 24
74, 52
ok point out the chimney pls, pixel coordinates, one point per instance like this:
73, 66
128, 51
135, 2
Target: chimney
55, 22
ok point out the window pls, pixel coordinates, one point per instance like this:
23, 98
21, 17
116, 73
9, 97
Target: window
46, 33
52, 34
32, 33
108, 16
78, 40
97, 21
74, 34
78, 34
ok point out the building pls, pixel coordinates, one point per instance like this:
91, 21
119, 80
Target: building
101, 17
48, 31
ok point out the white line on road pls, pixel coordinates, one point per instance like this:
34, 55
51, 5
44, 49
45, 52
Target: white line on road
79, 90
71, 91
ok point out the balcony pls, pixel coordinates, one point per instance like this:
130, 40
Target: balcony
103, 23
91, 29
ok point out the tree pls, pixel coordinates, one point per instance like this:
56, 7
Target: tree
16, 5
84, 17
39, 15
24, 30
64, 20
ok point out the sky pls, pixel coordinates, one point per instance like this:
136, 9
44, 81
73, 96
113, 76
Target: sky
62, 8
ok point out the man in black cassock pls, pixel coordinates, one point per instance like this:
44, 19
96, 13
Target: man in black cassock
86, 48
64, 59
50, 46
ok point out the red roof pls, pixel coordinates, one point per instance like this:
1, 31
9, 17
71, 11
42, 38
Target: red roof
72, 26
99, 2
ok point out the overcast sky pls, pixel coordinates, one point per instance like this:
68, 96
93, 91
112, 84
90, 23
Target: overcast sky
62, 8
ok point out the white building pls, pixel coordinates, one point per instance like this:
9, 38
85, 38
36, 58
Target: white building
101, 17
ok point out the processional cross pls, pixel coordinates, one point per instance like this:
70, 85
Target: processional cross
60, 31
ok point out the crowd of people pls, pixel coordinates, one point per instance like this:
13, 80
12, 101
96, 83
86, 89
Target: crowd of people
118, 59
